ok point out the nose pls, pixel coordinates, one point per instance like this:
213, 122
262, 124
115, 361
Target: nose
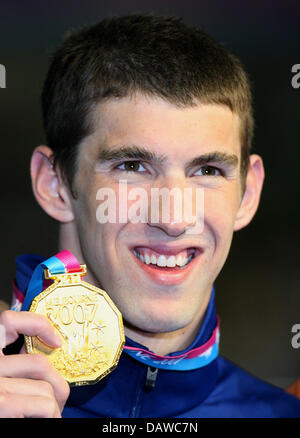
172, 207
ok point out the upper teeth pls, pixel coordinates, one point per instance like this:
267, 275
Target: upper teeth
163, 260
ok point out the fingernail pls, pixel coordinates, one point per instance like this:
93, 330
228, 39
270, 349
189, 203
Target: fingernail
59, 336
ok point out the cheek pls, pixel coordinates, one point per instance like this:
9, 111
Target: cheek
98, 221
220, 209
89, 230
86, 213
119, 203
98, 199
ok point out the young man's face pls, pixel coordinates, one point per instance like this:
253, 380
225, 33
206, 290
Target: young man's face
161, 145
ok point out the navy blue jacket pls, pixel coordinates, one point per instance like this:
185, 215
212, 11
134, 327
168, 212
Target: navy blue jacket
220, 389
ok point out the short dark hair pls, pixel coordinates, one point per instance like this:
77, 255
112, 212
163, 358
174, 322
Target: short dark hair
155, 55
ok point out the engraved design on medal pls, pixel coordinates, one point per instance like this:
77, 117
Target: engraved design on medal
91, 327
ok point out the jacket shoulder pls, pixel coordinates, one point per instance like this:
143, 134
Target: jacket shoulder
252, 396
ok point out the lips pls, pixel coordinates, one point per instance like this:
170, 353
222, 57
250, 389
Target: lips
166, 264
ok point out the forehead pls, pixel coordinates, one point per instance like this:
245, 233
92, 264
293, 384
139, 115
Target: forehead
164, 128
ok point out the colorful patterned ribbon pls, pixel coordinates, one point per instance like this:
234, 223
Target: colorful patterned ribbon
61, 263
191, 360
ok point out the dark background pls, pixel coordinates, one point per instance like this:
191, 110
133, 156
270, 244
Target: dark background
257, 293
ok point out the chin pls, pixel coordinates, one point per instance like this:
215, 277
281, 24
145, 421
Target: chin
159, 322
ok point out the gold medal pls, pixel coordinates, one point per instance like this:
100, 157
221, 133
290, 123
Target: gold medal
89, 322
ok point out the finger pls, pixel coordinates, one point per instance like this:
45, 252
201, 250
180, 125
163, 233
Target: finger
36, 367
26, 387
30, 324
27, 406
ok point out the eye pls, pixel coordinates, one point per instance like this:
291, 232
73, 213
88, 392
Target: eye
131, 166
209, 171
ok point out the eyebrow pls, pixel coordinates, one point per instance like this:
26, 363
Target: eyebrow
220, 158
130, 152
134, 152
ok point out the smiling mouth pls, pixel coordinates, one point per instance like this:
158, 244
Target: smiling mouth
164, 261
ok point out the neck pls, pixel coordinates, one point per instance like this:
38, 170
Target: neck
68, 239
165, 343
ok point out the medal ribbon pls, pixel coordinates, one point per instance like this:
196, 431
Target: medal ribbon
61, 263
64, 262
191, 360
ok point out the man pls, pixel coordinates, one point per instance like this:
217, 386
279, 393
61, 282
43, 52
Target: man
152, 103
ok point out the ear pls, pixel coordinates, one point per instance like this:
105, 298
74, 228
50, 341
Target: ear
254, 183
48, 187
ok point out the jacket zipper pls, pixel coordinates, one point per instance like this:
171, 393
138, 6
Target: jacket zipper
149, 384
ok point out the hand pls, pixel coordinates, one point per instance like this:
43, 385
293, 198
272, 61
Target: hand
29, 385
